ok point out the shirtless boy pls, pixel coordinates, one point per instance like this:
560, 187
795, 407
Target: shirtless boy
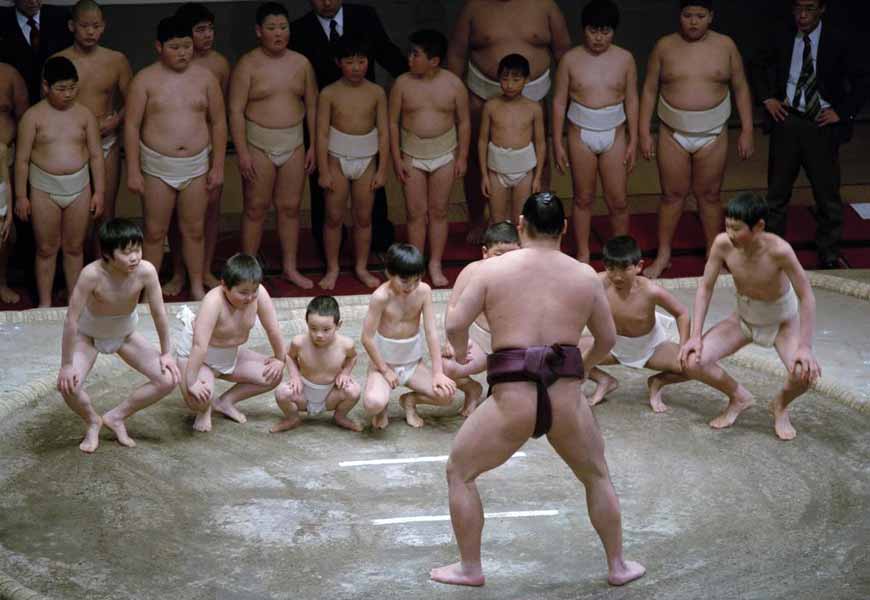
694, 68
429, 137
272, 91
512, 143
641, 331
600, 80
533, 348
320, 365
353, 149
210, 345
13, 104
58, 140
497, 240
391, 336
775, 307
101, 319
485, 32
104, 77
175, 117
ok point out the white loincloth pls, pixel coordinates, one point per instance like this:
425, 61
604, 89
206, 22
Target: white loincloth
222, 360
511, 165
597, 125
278, 144
62, 189
175, 171
636, 351
695, 129
760, 320
315, 395
481, 337
402, 356
108, 142
483, 87
108, 332
354, 152
429, 154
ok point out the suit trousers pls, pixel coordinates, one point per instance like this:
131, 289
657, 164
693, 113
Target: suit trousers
798, 142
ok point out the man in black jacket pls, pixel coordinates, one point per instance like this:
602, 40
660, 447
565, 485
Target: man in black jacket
813, 80
313, 35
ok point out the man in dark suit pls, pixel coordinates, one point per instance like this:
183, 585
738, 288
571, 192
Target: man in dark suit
30, 33
813, 80
313, 36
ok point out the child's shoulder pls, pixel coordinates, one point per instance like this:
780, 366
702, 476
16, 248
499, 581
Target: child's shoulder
346, 343
450, 78
382, 293
424, 289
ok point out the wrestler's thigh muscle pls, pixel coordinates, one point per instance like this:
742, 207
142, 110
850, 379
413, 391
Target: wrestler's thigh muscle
708, 167
75, 219
614, 178
249, 368
290, 181
440, 185
83, 358
137, 352
584, 166
787, 340
46, 217
258, 193
665, 358
723, 339
575, 435
675, 165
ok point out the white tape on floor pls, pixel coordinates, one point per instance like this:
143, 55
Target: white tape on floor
402, 461
514, 514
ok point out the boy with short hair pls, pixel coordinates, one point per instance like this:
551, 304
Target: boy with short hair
102, 318
210, 345
430, 128
512, 143
352, 155
321, 366
498, 239
391, 336
13, 104
642, 339
104, 77
775, 307
175, 118
600, 80
58, 140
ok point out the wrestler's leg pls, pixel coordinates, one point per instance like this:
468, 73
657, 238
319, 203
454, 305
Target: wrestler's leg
416, 190
257, 197
84, 355
112, 164
584, 175
471, 182
176, 282
665, 359
614, 183
489, 437
342, 401
576, 438
157, 206
604, 382
249, 380
708, 171
518, 196
202, 422
47, 218
376, 399
499, 199
290, 404
335, 203
422, 392
145, 358
675, 172
75, 219
289, 185
362, 204
439, 186
212, 230
786, 343
191, 209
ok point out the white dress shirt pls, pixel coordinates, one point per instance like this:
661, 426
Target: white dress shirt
25, 28
339, 22
797, 63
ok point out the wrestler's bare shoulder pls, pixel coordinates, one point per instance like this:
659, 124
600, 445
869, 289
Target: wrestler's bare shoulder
7, 72
447, 78
381, 295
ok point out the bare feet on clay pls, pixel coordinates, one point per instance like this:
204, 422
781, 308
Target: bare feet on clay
116, 424
202, 423
381, 420
627, 572
92, 437
655, 385
473, 391
661, 264
456, 574
345, 422
8, 295
606, 385
741, 401
328, 281
229, 410
174, 286
298, 279
368, 280
437, 275
406, 401
781, 421
286, 425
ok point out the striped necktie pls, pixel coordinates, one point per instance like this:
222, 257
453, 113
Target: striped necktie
34, 33
807, 84
333, 32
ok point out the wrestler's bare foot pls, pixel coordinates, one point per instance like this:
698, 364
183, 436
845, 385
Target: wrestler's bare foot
202, 423
298, 279
781, 421
8, 295
406, 401
474, 237
328, 281
229, 410
741, 401
210, 281
661, 264
368, 280
116, 424
626, 572
457, 574
381, 420
345, 422
655, 385
92, 437
473, 391
174, 286
437, 275
286, 425
606, 385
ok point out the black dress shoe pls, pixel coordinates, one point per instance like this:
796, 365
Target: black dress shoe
833, 262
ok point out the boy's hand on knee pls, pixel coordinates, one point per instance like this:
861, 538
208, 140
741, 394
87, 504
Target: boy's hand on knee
294, 386
344, 382
168, 365
391, 378
690, 353
443, 386
272, 370
200, 394
67, 380
805, 366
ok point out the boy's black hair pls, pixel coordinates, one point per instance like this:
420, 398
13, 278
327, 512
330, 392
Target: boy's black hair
503, 232
241, 268
267, 9
173, 27
325, 306
83, 6
404, 260
600, 13
57, 69
514, 63
747, 207
118, 234
194, 13
708, 4
621, 252
544, 215
431, 42
351, 45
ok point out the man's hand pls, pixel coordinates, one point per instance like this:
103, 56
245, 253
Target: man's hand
776, 109
828, 116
